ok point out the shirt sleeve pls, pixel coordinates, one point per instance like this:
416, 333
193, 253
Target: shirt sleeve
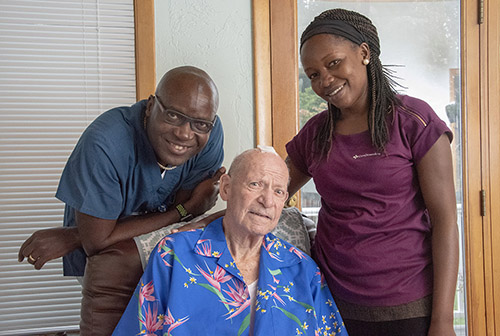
146, 312
90, 182
206, 163
327, 313
422, 127
301, 148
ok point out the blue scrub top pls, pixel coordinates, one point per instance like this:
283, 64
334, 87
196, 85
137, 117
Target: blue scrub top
113, 173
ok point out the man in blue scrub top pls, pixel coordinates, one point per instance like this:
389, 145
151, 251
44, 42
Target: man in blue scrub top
137, 169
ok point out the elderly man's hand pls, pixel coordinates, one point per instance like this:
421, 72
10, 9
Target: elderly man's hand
48, 244
204, 196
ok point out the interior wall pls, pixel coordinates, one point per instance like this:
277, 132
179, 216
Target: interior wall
216, 36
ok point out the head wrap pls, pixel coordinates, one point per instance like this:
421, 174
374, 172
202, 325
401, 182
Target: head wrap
334, 27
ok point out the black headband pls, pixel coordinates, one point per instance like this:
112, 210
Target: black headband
334, 27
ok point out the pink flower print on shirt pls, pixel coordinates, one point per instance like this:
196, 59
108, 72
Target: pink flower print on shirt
164, 254
276, 296
146, 292
206, 247
268, 246
240, 296
215, 278
150, 321
298, 252
274, 273
169, 320
321, 280
162, 242
166, 250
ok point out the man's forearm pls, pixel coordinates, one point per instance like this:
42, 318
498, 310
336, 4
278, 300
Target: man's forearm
97, 234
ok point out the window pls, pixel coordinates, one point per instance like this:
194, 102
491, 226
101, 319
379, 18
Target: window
62, 64
276, 93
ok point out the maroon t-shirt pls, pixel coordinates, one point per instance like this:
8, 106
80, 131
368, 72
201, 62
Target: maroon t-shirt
373, 239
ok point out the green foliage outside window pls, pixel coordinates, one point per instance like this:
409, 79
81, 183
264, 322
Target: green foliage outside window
310, 104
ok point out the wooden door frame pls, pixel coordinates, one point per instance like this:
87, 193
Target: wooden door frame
471, 177
275, 72
145, 53
489, 41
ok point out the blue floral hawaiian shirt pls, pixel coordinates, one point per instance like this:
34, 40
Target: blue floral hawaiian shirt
192, 286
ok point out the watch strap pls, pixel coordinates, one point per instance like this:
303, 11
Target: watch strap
185, 216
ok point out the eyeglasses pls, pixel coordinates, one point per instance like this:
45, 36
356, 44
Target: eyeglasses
176, 118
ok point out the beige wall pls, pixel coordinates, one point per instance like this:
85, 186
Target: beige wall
215, 35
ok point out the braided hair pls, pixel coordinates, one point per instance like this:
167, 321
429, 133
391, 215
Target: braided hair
382, 92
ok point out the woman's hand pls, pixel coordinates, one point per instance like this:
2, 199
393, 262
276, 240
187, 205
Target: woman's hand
441, 329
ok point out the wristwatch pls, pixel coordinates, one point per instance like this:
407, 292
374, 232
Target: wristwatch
185, 216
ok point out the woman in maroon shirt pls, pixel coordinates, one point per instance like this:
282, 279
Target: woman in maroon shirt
387, 238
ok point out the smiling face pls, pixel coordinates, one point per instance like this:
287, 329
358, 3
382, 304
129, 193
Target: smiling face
336, 70
191, 93
255, 193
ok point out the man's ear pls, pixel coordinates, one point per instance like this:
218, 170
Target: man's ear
149, 105
224, 184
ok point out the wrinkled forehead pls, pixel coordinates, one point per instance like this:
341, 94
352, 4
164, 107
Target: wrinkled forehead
265, 165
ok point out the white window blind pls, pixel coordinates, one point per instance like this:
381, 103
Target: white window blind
62, 63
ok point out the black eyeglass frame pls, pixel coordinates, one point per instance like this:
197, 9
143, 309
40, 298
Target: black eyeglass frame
185, 118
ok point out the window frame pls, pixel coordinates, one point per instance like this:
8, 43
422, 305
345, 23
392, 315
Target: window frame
145, 52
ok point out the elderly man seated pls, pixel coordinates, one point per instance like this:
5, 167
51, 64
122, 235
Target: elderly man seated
235, 277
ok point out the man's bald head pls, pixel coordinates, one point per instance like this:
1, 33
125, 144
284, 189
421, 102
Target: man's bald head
190, 80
